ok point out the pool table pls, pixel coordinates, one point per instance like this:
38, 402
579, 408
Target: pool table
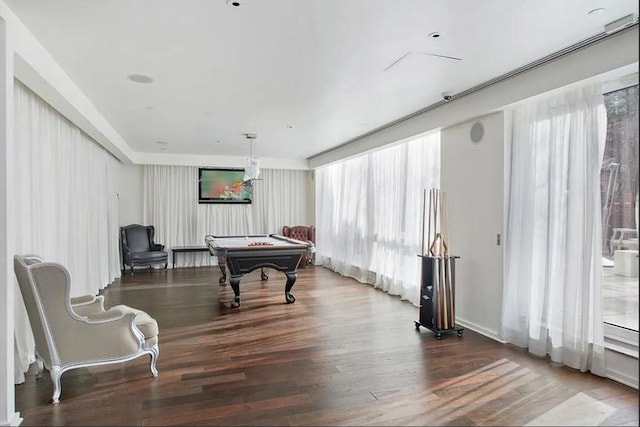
243, 254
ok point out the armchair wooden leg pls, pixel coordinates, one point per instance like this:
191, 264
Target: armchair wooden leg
55, 379
40, 367
155, 352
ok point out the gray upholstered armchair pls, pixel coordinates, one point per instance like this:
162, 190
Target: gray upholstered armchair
139, 248
77, 332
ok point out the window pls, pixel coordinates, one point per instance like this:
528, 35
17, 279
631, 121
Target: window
368, 210
619, 189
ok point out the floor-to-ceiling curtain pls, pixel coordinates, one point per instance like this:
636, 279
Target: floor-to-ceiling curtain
65, 204
369, 214
552, 301
280, 197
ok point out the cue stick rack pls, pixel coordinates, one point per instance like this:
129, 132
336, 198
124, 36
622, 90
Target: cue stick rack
437, 282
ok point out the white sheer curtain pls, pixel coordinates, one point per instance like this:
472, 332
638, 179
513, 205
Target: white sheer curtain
553, 278
65, 204
280, 197
369, 214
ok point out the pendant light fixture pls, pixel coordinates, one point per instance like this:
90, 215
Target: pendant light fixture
252, 170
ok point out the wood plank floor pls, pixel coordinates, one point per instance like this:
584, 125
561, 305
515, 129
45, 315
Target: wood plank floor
342, 354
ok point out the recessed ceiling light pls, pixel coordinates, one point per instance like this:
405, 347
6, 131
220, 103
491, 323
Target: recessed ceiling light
289, 126
162, 142
218, 141
148, 108
434, 35
234, 3
596, 11
140, 78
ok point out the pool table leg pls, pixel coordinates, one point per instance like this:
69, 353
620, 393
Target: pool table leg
221, 264
234, 281
291, 279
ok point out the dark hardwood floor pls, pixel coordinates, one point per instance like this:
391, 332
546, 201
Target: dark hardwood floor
342, 354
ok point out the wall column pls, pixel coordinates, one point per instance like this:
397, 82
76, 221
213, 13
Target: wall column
8, 415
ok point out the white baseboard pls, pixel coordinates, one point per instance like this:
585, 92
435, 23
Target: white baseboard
15, 420
621, 367
622, 378
479, 329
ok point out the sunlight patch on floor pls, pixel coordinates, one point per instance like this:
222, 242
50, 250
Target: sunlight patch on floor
579, 410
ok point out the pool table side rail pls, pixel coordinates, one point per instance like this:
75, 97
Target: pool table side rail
238, 243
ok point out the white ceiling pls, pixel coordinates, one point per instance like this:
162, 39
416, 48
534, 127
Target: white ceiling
304, 75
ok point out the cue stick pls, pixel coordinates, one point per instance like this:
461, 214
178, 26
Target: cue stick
442, 261
424, 207
438, 249
438, 219
445, 311
433, 248
443, 251
434, 216
436, 291
429, 239
445, 259
450, 283
436, 270
431, 223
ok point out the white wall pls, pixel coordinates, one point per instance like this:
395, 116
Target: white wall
130, 194
8, 416
473, 176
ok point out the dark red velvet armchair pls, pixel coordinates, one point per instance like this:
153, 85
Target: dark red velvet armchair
304, 233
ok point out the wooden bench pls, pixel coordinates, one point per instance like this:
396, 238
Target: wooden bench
186, 249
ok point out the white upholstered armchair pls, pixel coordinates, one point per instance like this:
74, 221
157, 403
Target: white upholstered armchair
77, 332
